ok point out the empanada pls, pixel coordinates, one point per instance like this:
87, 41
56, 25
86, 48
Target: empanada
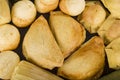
86, 63
110, 29
113, 54
69, 33
40, 47
93, 16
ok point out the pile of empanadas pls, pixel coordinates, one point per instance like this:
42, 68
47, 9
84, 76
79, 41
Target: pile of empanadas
59, 39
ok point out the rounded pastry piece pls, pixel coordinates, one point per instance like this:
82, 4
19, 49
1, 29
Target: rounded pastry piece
69, 33
113, 54
39, 45
72, 7
86, 63
9, 37
4, 12
113, 6
45, 6
8, 61
93, 16
23, 13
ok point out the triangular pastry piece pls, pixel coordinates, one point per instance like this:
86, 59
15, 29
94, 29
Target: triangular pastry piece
40, 47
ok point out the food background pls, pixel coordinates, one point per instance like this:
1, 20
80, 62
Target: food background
23, 31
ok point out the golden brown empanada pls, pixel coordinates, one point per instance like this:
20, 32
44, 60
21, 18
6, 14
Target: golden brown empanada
86, 63
113, 6
69, 33
113, 54
110, 29
93, 16
40, 47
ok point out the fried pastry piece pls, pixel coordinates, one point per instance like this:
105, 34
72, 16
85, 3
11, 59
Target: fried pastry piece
69, 33
93, 16
40, 47
113, 6
110, 29
86, 63
72, 7
44, 6
9, 37
113, 54
4, 12
23, 13
8, 61
28, 71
